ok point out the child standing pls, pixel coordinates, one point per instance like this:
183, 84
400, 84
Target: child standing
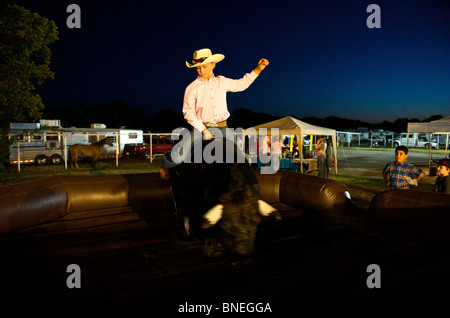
398, 174
443, 180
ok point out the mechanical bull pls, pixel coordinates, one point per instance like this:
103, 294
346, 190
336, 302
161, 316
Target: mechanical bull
218, 197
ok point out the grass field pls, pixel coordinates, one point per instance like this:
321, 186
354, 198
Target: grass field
103, 167
362, 189
421, 150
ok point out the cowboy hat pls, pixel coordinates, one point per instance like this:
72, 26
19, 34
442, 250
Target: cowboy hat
204, 56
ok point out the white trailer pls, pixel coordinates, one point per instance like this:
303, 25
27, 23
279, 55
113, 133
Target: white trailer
37, 148
38, 143
49, 145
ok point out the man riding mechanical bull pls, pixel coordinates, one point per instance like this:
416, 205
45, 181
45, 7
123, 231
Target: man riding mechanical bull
217, 193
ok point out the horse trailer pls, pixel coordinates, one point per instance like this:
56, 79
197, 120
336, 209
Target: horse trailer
42, 144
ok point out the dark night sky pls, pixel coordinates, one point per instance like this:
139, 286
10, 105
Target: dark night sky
324, 60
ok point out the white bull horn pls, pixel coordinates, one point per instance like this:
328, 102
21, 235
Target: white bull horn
214, 214
265, 208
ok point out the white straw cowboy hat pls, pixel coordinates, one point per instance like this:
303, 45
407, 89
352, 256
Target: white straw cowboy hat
204, 56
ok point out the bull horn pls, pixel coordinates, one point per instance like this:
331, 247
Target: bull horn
265, 208
213, 215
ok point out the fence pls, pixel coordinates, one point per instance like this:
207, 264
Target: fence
27, 154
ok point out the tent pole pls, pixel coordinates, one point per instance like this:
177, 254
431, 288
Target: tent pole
291, 144
300, 150
429, 158
446, 146
335, 152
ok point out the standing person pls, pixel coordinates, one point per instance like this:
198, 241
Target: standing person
398, 174
204, 105
321, 148
329, 157
273, 150
443, 180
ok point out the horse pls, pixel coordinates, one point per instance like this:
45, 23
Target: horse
91, 150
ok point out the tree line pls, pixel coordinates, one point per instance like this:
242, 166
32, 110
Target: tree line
117, 114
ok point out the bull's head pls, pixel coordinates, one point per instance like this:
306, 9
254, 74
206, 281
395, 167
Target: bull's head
215, 214
224, 193
239, 223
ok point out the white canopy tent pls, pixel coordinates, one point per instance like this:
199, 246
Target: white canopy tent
293, 126
435, 127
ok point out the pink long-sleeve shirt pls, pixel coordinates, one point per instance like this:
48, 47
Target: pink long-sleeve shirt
205, 100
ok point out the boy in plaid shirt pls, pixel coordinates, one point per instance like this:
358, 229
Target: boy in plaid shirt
398, 174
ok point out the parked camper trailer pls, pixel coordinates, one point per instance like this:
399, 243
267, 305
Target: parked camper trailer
41, 143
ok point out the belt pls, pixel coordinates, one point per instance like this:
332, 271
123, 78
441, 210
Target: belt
220, 124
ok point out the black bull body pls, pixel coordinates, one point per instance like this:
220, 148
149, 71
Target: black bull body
220, 199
